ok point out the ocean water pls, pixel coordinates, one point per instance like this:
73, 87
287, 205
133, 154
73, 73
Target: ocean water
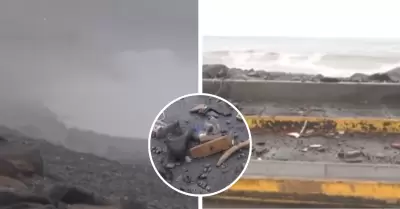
327, 56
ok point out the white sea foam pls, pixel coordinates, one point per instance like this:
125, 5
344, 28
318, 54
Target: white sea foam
331, 57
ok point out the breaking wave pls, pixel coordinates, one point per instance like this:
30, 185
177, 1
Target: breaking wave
313, 63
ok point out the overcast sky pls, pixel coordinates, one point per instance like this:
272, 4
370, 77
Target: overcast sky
105, 65
300, 18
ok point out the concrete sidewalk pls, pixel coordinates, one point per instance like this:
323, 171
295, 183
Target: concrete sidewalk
322, 170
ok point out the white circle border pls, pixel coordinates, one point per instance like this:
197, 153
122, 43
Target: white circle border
158, 116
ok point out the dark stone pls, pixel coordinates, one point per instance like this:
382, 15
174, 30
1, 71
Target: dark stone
394, 74
359, 77
329, 80
203, 176
238, 74
381, 77
178, 147
170, 129
215, 71
166, 174
74, 195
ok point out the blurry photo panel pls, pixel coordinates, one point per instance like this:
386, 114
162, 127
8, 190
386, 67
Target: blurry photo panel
318, 83
81, 83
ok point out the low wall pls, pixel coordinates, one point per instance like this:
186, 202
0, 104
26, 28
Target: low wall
254, 91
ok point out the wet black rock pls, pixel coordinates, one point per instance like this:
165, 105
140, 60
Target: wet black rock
203, 176
171, 129
215, 71
380, 77
260, 74
317, 78
394, 74
178, 146
260, 149
359, 77
237, 74
187, 179
202, 184
329, 80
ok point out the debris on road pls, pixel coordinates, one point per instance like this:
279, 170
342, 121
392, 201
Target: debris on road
350, 154
396, 144
211, 147
210, 129
232, 150
299, 134
294, 134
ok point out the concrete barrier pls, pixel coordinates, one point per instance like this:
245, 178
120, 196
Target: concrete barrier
240, 90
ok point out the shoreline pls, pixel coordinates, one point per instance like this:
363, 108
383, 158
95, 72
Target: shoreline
220, 71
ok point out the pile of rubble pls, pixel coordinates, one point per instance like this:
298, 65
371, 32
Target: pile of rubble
193, 152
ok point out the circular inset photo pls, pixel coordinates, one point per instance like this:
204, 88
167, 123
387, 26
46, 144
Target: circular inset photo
199, 144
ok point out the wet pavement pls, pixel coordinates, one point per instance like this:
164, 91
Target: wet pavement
201, 176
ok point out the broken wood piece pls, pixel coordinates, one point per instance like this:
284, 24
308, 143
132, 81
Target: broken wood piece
211, 147
232, 150
207, 138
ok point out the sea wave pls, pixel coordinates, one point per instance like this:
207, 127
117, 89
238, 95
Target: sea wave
329, 64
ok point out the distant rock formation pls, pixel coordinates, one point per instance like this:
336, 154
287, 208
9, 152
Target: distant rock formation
394, 74
32, 119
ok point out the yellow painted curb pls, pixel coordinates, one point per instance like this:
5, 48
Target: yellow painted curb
286, 202
322, 124
265, 190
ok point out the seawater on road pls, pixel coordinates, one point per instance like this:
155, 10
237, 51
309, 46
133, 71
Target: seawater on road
217, 177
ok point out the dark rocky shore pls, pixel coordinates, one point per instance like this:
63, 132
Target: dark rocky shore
121, 175
220, 71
